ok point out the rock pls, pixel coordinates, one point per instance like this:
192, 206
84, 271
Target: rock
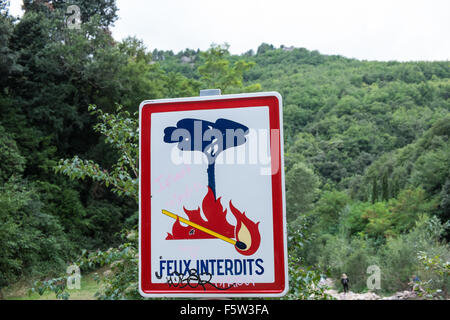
329, 283
185, 59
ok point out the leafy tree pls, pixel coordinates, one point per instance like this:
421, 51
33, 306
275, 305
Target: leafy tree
105, 10
216, 71
11, 161
32, 242
327, 210
302, 188
445, 201
7, 56
439, 267
121, 131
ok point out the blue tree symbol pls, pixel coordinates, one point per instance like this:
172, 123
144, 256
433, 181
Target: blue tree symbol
211, 138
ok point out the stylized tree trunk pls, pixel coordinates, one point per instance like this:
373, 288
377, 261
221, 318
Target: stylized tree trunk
212, 178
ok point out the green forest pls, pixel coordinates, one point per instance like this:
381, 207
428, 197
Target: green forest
367, 153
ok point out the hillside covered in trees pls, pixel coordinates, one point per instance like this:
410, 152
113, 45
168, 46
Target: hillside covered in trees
367, 150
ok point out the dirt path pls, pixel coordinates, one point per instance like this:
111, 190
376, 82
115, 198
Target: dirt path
401, 295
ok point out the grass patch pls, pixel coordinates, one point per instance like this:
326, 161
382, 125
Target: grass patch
89, 286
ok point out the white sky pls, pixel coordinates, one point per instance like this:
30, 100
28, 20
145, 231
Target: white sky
365, 29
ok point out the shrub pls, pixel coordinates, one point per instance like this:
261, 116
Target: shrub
32, 242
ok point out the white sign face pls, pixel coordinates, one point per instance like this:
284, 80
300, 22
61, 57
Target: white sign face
212, 219
180, 181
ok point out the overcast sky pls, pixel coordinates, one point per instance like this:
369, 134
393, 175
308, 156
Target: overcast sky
365, 29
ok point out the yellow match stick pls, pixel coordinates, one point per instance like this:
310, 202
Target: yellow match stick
238, 244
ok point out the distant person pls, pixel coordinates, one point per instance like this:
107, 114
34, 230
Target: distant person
415, 283
345, 281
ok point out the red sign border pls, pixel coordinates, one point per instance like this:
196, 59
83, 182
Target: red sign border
274, 101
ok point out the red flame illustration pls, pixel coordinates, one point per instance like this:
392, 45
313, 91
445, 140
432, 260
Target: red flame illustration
216, 220
245, 232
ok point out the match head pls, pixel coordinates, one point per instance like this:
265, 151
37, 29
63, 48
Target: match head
241, 245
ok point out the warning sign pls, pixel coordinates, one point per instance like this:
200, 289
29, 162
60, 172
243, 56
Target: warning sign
212, 217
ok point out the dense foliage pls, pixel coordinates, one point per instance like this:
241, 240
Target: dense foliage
367, 151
